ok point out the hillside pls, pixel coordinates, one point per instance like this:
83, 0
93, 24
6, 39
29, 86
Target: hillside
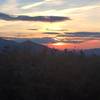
25, 74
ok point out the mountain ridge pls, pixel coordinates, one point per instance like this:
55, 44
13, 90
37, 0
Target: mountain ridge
30, 46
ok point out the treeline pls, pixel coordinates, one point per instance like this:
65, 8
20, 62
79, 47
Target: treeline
49, 75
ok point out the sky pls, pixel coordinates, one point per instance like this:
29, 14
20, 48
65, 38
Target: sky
22, 19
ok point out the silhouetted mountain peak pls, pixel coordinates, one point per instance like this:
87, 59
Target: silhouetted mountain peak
4, 42
28, 43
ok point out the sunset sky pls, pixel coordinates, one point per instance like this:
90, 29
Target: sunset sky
59, 18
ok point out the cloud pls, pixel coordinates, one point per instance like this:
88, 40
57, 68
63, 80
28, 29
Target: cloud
74, 41
33, 29
80, 9
51, 33
7, 17
57, 30
78, 37
32, 5
65, 11
10, 6
84, 34
29, 6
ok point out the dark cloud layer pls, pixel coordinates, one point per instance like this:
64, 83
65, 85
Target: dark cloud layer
83, 34
52, 33
79, 37
7, 17
74, 38
33, 29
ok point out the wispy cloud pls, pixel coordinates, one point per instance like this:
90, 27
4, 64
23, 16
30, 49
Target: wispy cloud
40, 3
11, 7
32, 5
79, 10
66, 12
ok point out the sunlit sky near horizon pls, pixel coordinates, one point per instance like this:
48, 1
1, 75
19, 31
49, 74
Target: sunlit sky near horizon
83, 16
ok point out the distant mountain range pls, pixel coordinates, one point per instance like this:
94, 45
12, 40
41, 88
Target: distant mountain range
95, 51
29, 46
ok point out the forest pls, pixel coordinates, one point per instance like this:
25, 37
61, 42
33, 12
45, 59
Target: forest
48, 75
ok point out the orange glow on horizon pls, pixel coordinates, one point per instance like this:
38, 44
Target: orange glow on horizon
58, 44
85, 45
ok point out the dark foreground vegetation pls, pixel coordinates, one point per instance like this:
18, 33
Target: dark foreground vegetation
49, 76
